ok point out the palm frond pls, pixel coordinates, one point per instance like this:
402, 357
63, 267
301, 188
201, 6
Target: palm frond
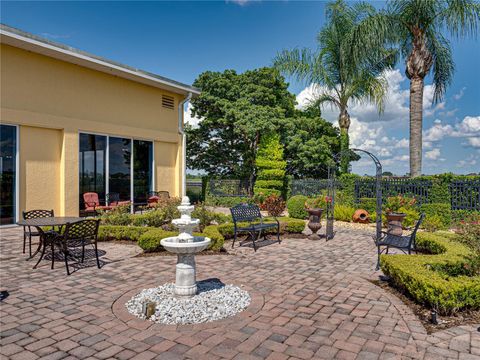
460, 17
443, 65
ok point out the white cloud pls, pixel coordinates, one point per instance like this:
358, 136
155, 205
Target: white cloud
240, 2
471, 160
468, 128
459, 95
402, 144
474, 142
433, 154
188, 118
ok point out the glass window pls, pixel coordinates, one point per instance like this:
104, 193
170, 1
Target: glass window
8, 173
93, 152
119, 168
142, 169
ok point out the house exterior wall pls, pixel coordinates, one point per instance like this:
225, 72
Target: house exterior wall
52, 101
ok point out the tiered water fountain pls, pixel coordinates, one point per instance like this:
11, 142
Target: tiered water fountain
187, 302
185, 245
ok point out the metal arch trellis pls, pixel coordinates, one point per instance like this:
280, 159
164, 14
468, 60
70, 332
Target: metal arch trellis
331, 194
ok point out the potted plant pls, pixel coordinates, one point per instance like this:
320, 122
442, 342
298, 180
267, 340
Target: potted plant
315, 207
394, 216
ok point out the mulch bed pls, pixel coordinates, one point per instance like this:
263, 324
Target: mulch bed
423, 313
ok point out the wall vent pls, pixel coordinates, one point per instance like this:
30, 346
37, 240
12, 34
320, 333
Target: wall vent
168, 102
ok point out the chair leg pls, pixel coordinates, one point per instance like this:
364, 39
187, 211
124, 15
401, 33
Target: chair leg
254, 245
278, 234
65, 255
96, 255
53, 254
234, 238
24, 241
30, 244
41, 255
387, 250
83, 252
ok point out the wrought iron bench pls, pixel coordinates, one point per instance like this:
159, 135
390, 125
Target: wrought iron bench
252, 215
405, 243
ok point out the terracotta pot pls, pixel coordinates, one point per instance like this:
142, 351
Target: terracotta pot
361, 216
314, 224
395, 223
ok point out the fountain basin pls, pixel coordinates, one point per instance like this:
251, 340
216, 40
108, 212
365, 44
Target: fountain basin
198, 244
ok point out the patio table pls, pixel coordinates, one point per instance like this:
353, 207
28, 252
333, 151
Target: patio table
46, 221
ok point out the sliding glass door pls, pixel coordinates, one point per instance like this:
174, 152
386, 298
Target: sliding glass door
142, 169
8, 174
119, 166
93, 152
107, 166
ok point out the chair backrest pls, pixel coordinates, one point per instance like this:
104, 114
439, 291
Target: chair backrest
245, 212
112, 198
160, 194
152, 193
91, 199
35, 214
417, 225
83, 229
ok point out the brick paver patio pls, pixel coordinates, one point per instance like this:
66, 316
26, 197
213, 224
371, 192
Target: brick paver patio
310, 299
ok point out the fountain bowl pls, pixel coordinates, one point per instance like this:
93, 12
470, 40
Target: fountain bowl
198, 244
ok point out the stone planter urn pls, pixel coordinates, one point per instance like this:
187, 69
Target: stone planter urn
395, 223
314, 222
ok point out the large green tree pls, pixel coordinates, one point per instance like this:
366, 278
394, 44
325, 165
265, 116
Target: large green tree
418, 28
236, 110
341, 78
310, 143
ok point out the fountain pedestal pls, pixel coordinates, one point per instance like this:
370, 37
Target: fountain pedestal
185, 245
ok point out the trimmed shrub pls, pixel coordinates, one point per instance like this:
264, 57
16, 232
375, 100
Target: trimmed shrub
227, 201
117, 232
296, 207
150, 240
270, 167
417, 274
213, 233
294, 226
343, 213
411, 218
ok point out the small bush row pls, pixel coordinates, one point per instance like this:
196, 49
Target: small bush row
432, 279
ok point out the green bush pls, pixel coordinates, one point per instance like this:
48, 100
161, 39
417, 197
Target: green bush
150, 240
296, 207
213, 233
416, 274
343, 213
411, 218
437, 211
294, 226
270, 167
433, 223
117, 232
369, 204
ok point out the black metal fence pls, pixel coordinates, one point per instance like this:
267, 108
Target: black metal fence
419, 189
310, 187
230, 188
465, 194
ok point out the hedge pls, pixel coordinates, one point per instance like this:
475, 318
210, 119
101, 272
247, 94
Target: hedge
427, 277
148, 238
287, 225
296, 207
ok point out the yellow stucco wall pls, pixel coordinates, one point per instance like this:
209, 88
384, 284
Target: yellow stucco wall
39, 168
41, 92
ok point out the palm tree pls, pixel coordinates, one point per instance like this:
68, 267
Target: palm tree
338, 76
416, 26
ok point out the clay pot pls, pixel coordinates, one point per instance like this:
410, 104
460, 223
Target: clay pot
314, 224
395, 223
361, 216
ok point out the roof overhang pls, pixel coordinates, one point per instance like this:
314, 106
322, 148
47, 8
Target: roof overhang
29, 42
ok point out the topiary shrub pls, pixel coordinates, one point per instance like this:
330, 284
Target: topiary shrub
296, 207
150, 240
216, 238
270, 167
433, 223
429, 279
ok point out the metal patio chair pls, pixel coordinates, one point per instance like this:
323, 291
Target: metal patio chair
28, 232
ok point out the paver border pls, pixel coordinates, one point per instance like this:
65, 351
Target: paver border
121, 313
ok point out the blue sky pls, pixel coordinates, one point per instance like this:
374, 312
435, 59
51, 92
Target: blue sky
182, 39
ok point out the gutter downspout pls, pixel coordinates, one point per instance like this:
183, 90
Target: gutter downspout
184, 142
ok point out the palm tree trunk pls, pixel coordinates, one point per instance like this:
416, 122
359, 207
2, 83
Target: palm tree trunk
416, 118
344, 123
